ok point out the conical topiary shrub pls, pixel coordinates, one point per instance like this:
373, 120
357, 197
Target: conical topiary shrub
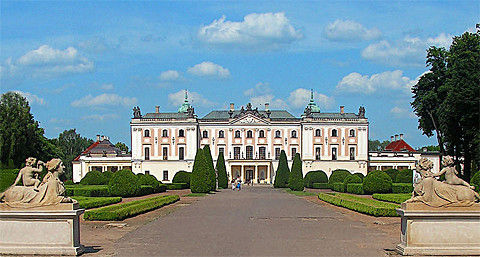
295, 180
198, 180
211, 176
222, 172
283, 172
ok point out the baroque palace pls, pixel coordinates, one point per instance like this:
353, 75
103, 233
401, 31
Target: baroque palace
251, 140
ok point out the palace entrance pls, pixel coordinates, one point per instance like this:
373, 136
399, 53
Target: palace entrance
256, 171
249, 175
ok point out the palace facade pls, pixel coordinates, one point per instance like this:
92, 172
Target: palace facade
251, 140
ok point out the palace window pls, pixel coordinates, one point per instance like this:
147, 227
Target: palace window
352, 153
294, 134
181, 153
205, 134
221, 151
237, 134
317, 153
236, 153
294, 151
352, 133
221, 134
334, 153
147, 153
249, 152
318, 133
165, 175
249, 134
261, 134
334, 133
146, 133
278, 134
165, 133
181, 133
261, 152
277, 153
165, 153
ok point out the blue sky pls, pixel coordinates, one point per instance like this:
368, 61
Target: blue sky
85, 64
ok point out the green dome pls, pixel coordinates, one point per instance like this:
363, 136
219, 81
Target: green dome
312, 105
185, 105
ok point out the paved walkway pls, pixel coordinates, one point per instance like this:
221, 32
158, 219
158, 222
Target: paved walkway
256, 221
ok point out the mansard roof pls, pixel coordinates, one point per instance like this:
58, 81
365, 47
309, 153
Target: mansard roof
225, 115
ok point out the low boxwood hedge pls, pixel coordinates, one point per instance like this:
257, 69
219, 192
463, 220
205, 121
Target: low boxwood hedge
94, 202
355, 188
182, 177
315, 176
321, 186
149, 180
176, 186
130, 209
359, 204
399, 188
393, 198
404, 176
338, 187
87, 190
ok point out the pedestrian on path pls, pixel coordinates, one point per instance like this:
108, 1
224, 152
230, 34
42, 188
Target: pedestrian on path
233, 184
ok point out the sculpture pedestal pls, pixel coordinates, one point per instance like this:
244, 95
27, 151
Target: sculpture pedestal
46, 230
439, 231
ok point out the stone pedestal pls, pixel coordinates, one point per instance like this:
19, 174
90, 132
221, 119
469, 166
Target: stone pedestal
439, 231
47, 230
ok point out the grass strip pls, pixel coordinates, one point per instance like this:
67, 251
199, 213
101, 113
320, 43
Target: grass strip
95, 202
299, 193
394, 198
359, 204
196, 195
130, 209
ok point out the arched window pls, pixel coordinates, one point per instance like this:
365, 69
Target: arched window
249, 134
205, 134
237, 134
334, 133
318, 133
165, 133
146, 133
294, 134
181, 133
221, 134
352, 133
278, 134
261, 133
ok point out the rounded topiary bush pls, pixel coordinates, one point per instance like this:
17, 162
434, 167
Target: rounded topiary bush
182, 177
123, 183
352, 179
360, 175
315, 176
93, 177
475, 181
392, 173
338, 176
404, 176
377, 182
149, 180
107, 175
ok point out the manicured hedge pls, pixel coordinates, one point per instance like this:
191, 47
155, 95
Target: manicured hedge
87, 190
130, 209
355, 189
399, 188
359, 204
176, 186
338, 187
315, 176
124, 183
377, 182
321, 186
94, 177
149, 180
295, 180
94, 202
392, 173
351, 179
338, 176
394, 198
404, 176
360, 175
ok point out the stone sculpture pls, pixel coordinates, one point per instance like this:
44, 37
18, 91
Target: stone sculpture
50, 191
29, 174
430, 191
137, 114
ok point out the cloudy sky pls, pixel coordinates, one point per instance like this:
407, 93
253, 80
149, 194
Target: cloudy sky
85, 64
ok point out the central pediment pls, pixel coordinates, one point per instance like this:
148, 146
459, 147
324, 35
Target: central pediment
249, 119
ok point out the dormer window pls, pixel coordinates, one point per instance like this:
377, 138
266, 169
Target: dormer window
334, 133
294, 134
146, 133
237, 134
164, 133
318, 133
249, 134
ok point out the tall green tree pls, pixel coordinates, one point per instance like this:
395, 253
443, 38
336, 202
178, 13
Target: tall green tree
122, 146
198, 179
376, 145
211, 175
295, 180
222, 172
71, 144
20, 134
283, 172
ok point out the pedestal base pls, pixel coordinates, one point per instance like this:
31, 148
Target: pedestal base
439, 231
49, 230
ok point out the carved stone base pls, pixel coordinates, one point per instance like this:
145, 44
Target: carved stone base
48, 230
439, 231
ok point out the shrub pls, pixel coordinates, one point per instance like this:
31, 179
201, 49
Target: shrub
475, 181
93, 177
94, 202
355, 189
211, 176
87, 190
145, 190
321, 186
392, 173
222, 172
149, 180
295, 180
338, 176
283, 172
124, 183
377, 182
352, 179
338, 187
107, 175
176, 186
182, 177
399, 188
360, 175
198, 182
130, 209
69, 183
316, 176
404, 176
359, 204
394, 198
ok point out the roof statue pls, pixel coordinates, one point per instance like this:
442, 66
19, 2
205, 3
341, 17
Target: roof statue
249, 110
136, 113
361, 112
312, 106
186, 105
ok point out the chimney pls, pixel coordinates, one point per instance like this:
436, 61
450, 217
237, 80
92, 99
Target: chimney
396, 137
267, 106
98, 138
342, 109
401, 136
391, 138
232, 106
157, 109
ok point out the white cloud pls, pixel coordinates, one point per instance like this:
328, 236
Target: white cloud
107, 87
346, 30
364, 84
47, 62
32, 99
60, 121
408, 51
259, 89
399, 112
99, 117
104, 99
275, 103
301, 97
260, 31
209, 69
170, 75
194, 98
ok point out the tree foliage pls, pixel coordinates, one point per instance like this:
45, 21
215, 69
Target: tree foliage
376, 145
198, 180
446, 99
211, 176
71, 144
222, 172
122, 146
283, 172
295, 180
